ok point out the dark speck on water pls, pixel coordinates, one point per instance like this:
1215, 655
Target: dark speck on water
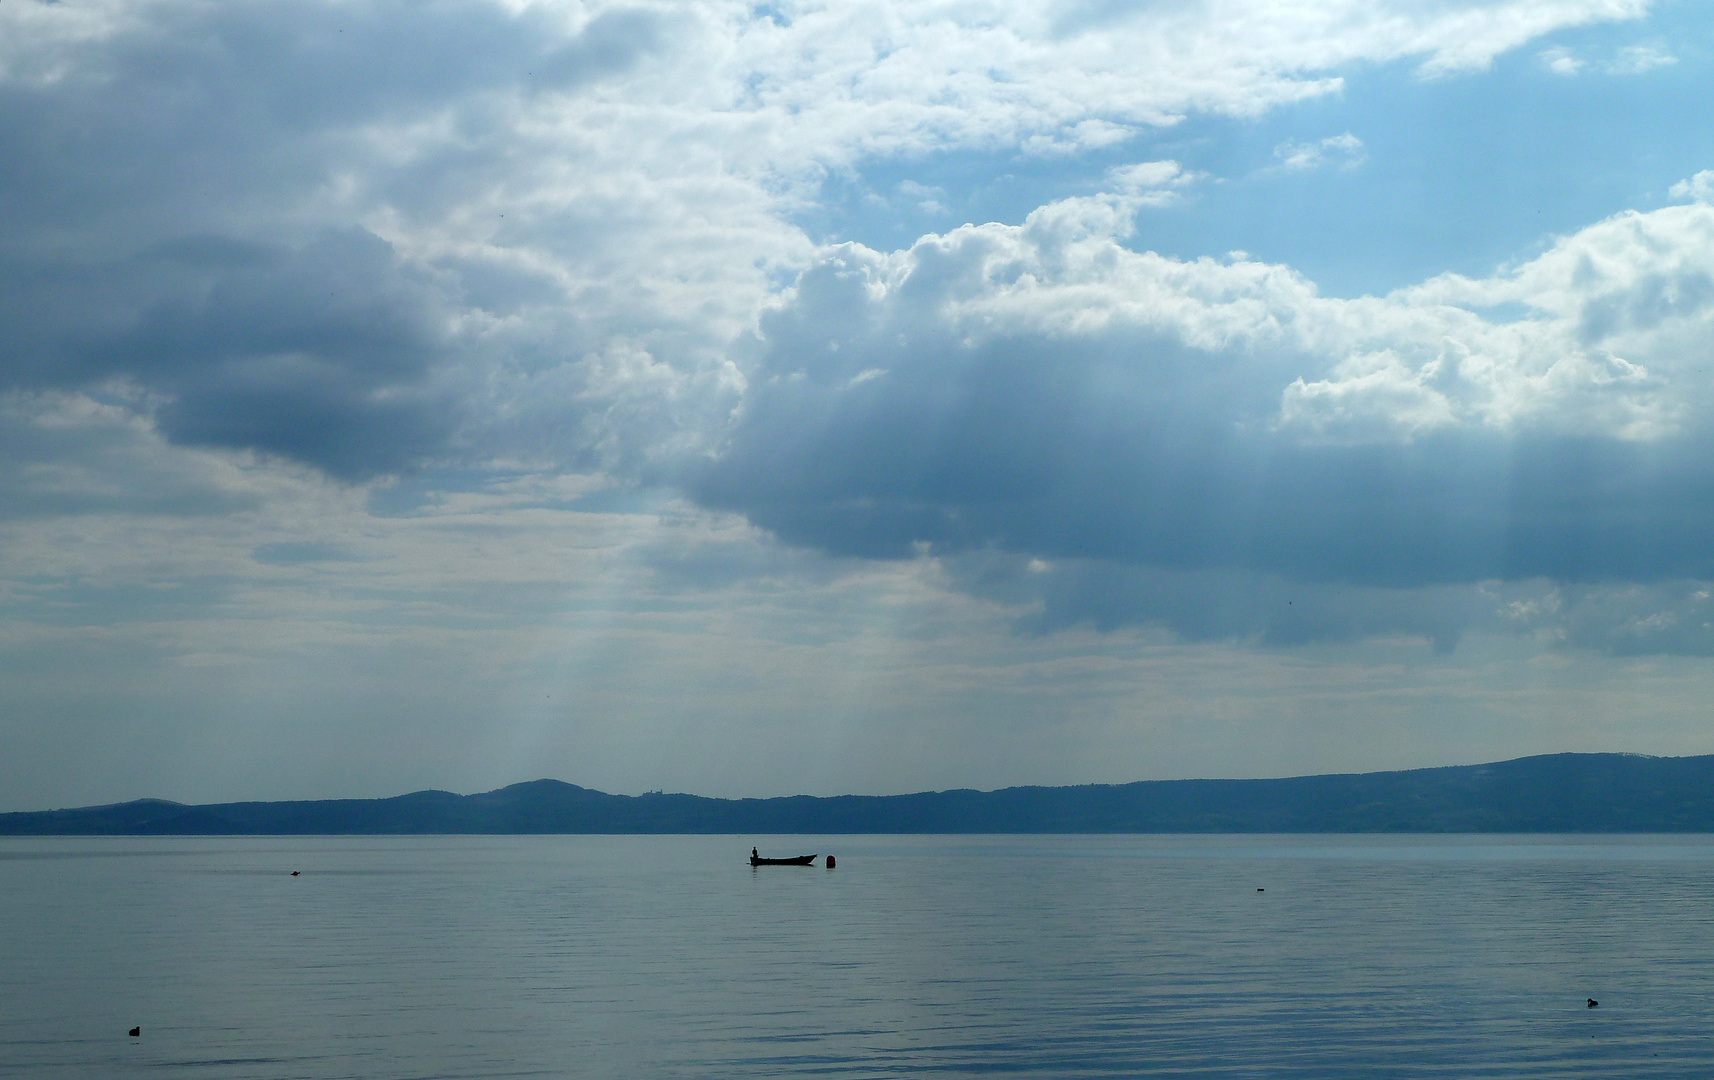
608, 957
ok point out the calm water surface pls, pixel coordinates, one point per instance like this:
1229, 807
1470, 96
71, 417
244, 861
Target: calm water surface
466, 957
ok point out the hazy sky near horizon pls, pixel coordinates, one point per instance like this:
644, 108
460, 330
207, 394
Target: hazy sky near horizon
751, 399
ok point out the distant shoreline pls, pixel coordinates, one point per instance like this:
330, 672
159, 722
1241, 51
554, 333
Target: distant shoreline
1554, 793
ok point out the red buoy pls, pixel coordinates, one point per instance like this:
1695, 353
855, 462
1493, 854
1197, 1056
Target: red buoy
830, 862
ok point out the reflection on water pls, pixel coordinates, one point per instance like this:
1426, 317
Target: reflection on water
954, 956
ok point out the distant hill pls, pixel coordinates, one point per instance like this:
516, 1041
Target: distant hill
1552, 793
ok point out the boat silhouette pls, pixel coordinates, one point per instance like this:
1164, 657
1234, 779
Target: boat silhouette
801, 860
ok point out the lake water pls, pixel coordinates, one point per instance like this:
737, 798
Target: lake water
644, 957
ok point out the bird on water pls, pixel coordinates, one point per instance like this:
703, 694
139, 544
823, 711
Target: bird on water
1592, 1003
136, 1031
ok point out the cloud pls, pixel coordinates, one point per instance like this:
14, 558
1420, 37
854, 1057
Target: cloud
1636, 59
1562, 61
1149, 183
1671, 617
322, 355
1053, 395
1346, 149
1629, 60
1244, 607
1221, 605
927, 198
1083, 136
75, 454
1699, 187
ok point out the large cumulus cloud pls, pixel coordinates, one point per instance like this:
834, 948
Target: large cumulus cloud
1045, 391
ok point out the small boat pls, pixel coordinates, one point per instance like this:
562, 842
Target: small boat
801, 860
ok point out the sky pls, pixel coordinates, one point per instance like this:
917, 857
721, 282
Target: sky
757, 399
